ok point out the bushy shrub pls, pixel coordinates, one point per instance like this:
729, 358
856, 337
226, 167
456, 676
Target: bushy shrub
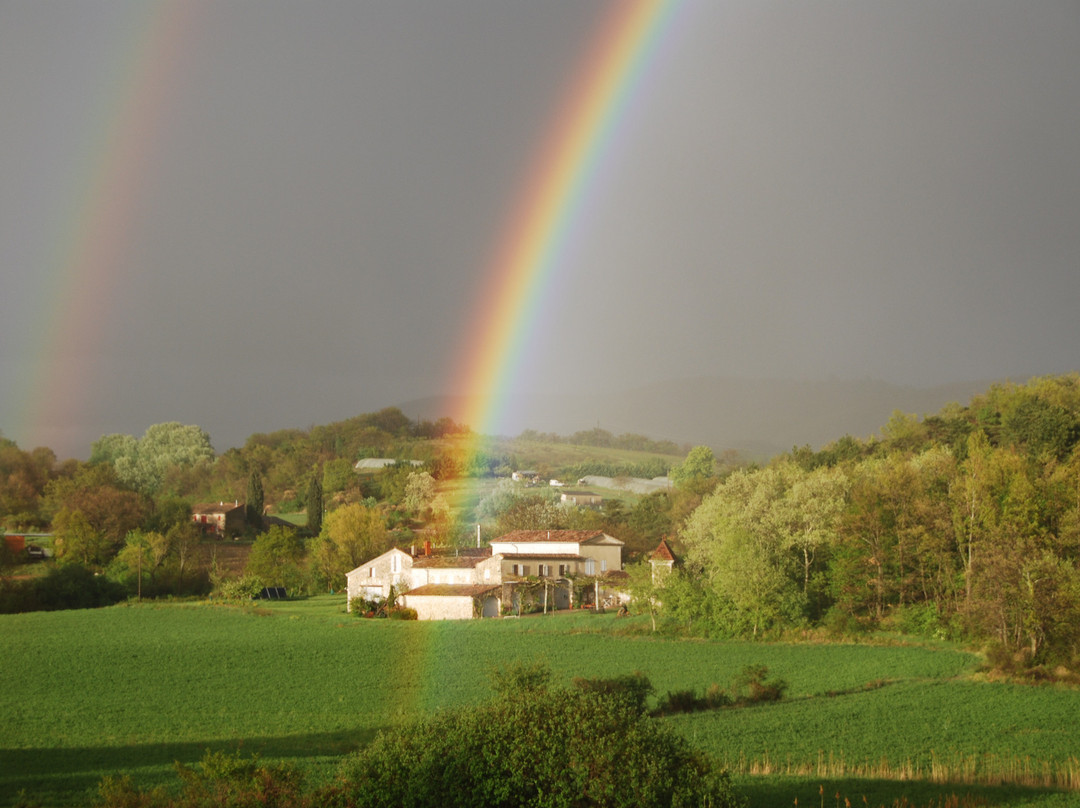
838, 622
678, 701
716, 697
363, 607
402, 613
634, 688
538, 746
751, 685
246, 587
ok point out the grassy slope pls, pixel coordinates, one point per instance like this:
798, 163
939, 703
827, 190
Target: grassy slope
135, 688
541, 455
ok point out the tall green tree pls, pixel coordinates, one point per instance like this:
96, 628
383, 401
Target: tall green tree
275, 558
254, 499
419, 493
313, 504
697, 472
747, 562
358, 533
79, 542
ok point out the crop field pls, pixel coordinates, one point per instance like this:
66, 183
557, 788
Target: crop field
135, 688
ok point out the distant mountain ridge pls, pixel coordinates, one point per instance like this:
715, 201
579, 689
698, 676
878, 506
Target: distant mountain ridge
758, 417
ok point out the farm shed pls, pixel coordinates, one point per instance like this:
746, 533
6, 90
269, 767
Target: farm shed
583, 499
453, 601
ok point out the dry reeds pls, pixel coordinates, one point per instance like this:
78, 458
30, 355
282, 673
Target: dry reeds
952, 768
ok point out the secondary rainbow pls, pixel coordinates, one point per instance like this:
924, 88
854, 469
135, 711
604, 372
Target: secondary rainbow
97, 216
528, 258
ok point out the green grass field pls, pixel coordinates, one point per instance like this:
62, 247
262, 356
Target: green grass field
135, 688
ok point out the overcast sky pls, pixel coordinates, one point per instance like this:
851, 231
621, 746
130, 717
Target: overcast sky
308, 195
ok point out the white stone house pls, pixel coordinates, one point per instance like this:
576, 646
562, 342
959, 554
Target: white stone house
374, 579
466, 583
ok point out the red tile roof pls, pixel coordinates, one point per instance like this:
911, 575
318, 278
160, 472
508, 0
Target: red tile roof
662, 552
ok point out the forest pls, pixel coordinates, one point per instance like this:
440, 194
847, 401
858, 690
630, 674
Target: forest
963, 524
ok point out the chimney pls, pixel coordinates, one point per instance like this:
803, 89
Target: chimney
427, 548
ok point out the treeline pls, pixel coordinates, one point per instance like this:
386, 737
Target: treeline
606, 440
177, 460
963, 524
647, 469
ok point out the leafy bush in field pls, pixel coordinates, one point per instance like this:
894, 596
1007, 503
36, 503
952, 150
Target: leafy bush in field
585, 746
633, 688
749, 687
363, 607
403, 613
245, 587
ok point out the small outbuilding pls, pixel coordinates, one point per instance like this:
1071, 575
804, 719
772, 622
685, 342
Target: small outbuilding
453, 601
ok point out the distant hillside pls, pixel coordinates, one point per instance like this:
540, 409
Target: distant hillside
758, 417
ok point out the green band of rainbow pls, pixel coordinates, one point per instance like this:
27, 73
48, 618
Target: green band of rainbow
527, 261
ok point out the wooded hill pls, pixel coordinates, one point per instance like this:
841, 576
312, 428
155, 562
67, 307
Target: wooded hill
964, 523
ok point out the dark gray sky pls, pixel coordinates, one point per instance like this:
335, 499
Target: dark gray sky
306, 197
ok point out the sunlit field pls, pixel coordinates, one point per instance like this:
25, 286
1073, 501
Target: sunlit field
135, 688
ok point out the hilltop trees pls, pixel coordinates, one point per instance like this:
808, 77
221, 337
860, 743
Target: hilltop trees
143, 464
964, 523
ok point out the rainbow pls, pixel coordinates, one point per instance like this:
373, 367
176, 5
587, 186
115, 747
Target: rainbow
527, 259
95, 220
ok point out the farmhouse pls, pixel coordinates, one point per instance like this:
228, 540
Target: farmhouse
538, 566
221, 519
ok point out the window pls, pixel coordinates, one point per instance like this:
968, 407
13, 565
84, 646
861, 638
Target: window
371, 572
603, 565
564, 570
395, 563
545, 570
590, 566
